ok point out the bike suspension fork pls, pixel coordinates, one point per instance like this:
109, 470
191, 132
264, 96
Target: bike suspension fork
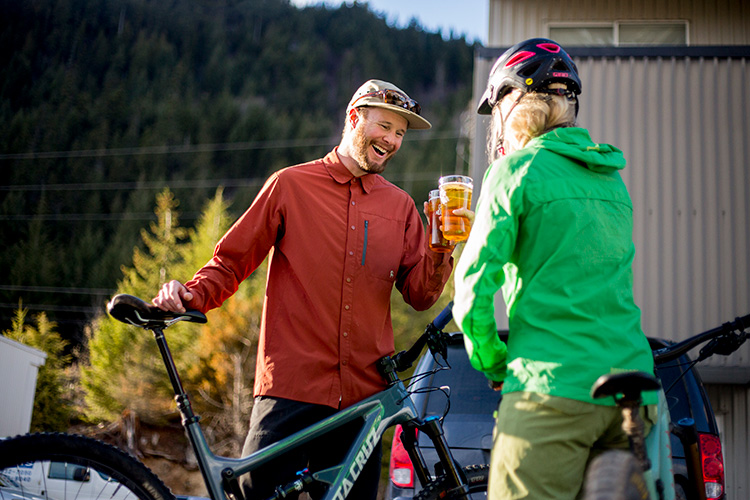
434, 430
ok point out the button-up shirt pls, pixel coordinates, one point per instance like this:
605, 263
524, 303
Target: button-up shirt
337, 244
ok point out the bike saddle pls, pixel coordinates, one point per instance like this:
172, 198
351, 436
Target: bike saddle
134, 311
629, 384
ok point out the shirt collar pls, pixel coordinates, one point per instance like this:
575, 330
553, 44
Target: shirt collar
342, 175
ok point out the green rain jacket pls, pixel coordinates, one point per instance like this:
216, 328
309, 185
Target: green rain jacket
553, 229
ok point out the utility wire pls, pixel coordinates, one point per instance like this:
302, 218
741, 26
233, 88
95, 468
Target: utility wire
136, 216
205, 148
56, 289
160, 150
123, 186
51, 308
194, 184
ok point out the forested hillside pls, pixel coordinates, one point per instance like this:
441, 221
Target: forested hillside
103, 103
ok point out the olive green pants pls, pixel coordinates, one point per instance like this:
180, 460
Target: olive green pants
543, 444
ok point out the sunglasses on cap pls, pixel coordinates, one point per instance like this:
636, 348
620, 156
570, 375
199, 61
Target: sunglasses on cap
394, 98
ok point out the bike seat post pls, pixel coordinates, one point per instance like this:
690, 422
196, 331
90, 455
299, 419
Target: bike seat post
634, 427
181, 397
626, 389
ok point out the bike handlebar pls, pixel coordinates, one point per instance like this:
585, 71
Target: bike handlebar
433, 337
445, 317
723, 339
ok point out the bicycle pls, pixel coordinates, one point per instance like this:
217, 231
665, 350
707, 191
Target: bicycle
221, 474
624, 475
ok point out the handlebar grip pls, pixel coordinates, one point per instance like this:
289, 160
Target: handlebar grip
445, 316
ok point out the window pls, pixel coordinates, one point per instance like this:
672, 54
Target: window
69, 472
652, 33
583, 35
621, 33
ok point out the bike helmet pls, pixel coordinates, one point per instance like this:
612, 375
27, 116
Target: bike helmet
529, 66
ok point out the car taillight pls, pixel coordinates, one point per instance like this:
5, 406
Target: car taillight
402, 470
712, 463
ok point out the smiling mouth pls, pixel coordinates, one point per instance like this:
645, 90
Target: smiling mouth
379, 151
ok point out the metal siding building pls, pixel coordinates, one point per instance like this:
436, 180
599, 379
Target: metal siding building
681, 115
711, 22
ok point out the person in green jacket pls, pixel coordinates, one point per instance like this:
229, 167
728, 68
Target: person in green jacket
553, 229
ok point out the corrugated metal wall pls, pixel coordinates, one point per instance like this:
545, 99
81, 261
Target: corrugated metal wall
683, 122
711, 22
684, 127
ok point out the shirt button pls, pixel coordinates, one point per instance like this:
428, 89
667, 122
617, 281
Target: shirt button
346, 334
343, 363
351, 253
354, 203
352, 228
346, 307
348, 280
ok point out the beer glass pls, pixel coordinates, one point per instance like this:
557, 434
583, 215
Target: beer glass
438, 242
455, 192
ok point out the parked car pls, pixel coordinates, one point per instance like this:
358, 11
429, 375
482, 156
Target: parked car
469, 423
11, 490
51, 480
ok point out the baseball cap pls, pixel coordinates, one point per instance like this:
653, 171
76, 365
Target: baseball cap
381, 94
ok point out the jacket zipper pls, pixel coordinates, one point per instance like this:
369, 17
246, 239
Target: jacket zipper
364, 250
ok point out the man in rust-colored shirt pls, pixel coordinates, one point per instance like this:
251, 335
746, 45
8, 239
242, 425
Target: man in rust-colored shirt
338, 237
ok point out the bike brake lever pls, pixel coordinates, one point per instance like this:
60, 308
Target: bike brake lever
724, 345
438, 345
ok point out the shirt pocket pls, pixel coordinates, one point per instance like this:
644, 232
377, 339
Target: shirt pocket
382, 244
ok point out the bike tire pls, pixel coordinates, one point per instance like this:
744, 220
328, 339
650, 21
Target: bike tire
27, 459
477, 476
615, 475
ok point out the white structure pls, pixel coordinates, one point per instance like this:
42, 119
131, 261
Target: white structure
19, 365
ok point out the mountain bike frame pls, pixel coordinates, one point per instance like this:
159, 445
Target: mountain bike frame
379, 412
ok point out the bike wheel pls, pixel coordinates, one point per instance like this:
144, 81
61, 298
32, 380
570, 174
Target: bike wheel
615, 475
476, 475
71, 467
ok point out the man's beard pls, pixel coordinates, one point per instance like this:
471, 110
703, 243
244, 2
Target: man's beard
361, 146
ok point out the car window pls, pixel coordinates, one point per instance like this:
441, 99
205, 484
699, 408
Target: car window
62, 470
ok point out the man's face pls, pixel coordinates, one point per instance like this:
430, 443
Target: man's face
376, 138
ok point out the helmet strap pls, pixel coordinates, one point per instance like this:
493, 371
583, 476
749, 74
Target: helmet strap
501, 147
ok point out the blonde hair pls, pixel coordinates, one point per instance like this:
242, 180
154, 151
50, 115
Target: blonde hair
533, 115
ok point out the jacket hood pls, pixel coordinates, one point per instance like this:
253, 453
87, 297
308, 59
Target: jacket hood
576, 143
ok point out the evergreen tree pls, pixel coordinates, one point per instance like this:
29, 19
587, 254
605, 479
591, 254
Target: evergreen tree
52, 412
221, 377
217, 360
124, 369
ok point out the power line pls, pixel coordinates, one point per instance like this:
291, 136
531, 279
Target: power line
55, 289
161, 150
205, 148
184, 184
123, 186
135, 216
51, 308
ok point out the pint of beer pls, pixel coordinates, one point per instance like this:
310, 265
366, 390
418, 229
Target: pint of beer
438, 243
455, 192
